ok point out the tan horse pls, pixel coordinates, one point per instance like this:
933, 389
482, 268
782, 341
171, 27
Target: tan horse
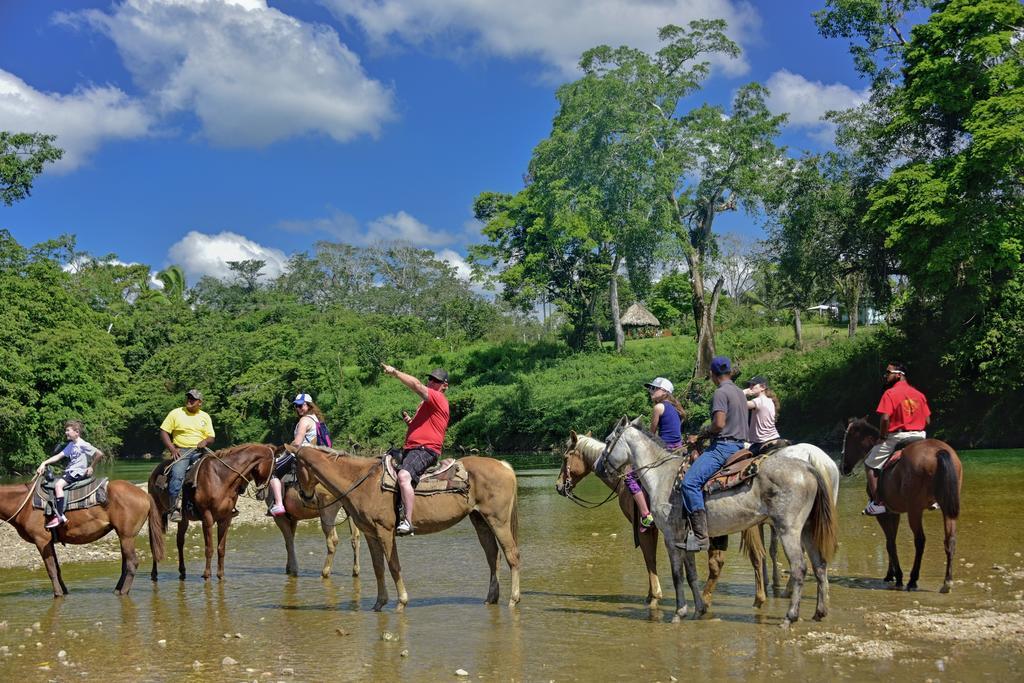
582, 451
125, 511
221, 477
491, 504
324, 507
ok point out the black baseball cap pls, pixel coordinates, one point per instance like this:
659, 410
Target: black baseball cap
757, 379
438, 374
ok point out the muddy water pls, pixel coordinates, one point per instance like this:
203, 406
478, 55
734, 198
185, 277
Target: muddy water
582, 616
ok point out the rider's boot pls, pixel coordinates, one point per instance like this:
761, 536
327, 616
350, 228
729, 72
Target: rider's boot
175, 510
697, 540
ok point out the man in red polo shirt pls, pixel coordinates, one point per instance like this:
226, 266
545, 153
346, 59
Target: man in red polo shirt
904, 415
424, 438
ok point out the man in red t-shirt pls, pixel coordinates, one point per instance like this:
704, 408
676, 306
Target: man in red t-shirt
424, 438
904, 415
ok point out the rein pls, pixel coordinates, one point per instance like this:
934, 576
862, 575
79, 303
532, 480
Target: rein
240, 474
353, 487
27, 497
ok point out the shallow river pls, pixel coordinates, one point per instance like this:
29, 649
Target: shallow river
582, 615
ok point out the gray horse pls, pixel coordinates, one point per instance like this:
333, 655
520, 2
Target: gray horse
793, 495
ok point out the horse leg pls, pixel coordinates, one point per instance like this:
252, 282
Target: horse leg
700, 608
129, 564
490, 546
773, 550
354, 535
675, 559
182, 529
327, 517
502, 529
208, 543
916, 525
377, 555
820, 573
222, 544
716, 560
649, 549
49, 554
391, 555
950, 523
793, 547
287, 527
890, 524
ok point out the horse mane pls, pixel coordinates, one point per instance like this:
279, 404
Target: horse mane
863, 422
234, 450
653, 438
589, 446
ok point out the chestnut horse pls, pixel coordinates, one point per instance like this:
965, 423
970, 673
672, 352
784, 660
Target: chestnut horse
125, 511
220, 478
928, 472
582, 451
324, 507
491, 504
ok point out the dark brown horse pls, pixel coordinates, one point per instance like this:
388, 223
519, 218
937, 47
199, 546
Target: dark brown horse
578, 461
125, 511
491, 504
220, 478
928, 472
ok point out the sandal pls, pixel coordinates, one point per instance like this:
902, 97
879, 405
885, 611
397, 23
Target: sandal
646, 523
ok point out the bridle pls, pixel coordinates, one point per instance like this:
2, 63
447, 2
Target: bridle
612, 442
568, 485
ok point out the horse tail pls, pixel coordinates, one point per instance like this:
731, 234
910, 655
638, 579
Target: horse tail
156, 530
947, 485
829, 471
514, 518
823, 519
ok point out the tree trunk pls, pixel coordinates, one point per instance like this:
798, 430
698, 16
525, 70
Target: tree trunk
798, 329
703, 316
613, 292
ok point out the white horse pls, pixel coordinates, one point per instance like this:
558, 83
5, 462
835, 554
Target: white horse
795, 498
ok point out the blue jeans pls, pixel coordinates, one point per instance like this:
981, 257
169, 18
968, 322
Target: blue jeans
177, 474
709, 462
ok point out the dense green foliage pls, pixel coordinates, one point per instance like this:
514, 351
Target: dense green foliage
22, 158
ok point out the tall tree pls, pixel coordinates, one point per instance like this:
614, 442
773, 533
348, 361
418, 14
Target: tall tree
22, 158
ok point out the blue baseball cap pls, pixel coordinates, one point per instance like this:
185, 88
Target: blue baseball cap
721, 365
302, 399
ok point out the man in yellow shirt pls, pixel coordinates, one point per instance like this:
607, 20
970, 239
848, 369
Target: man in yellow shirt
186, 432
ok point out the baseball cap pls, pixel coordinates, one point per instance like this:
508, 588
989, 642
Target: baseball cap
721, 365
660, 383
194, 393
302, 399
757, 379
438, 374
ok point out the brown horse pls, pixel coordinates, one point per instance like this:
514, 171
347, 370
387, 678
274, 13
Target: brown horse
220, 478
125, 511
491, 504
578, 461
324, 507
928, 472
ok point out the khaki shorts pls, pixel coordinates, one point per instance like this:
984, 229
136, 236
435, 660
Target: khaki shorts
881, 453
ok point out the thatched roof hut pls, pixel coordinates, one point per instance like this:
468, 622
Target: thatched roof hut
637, 316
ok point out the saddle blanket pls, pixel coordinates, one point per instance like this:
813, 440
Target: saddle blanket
447, 476
80, 495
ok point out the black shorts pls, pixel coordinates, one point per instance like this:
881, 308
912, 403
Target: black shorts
416, 461
72, 478
284, 465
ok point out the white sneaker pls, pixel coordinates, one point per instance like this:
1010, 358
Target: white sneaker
934, 506
277, 510
404, 528
874, 509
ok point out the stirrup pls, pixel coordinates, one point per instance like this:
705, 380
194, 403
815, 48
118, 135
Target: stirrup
53, 523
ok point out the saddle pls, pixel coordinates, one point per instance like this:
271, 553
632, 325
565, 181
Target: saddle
190, 475
82, 494
742, 466
895, 457
447, 476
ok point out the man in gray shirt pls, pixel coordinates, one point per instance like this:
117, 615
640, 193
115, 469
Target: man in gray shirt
729, 430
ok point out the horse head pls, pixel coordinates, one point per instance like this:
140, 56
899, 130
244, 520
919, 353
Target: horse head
574, 466
859, 438
304, 476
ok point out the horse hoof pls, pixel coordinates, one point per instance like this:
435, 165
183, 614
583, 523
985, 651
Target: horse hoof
676, 619
758, 603
946, 587
786, 623
818, 616
911, 587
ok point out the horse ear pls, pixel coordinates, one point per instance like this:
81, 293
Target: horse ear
850, 420
623, 421
572, 437
638, 422
590, 432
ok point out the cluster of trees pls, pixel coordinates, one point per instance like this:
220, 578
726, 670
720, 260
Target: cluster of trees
918, 207
97, 340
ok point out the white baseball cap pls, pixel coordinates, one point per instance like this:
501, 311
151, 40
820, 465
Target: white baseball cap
302, 398
660, 383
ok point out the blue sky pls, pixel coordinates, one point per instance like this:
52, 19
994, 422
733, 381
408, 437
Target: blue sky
200, 131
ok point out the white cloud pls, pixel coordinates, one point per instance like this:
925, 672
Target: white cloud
401, 227
251, 74
456, 261
554, 32
200, 254
82, 121
807, 101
